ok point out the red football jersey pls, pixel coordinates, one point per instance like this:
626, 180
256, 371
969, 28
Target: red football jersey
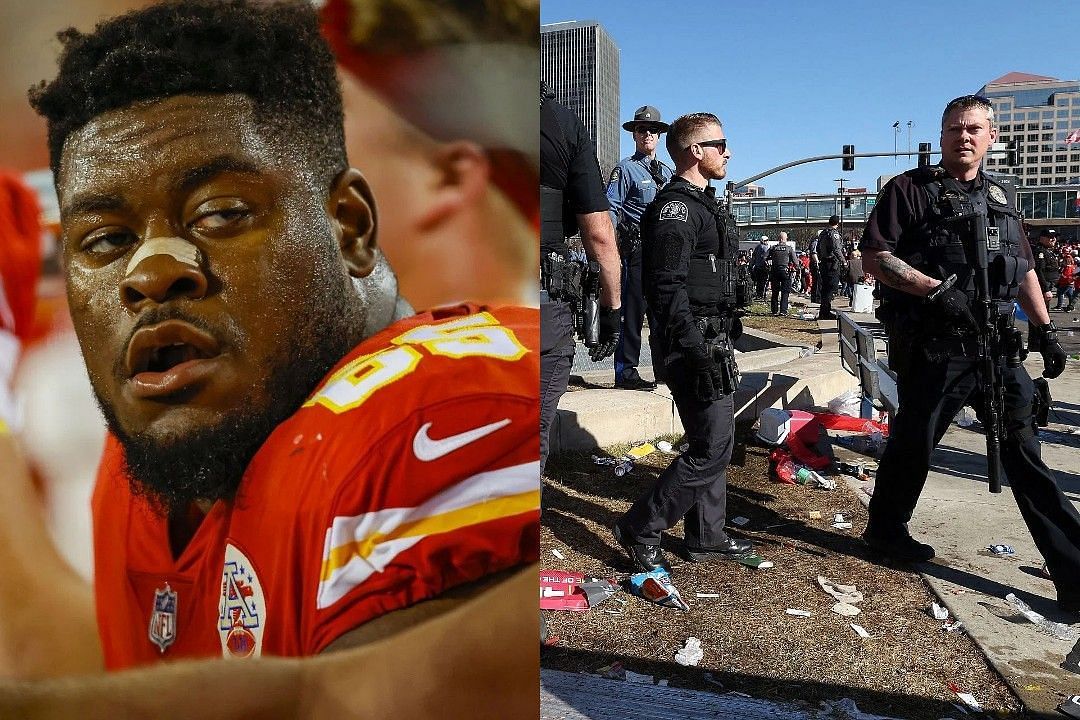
413, 467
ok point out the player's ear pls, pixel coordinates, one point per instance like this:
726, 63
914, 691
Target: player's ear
460, 179
352, 214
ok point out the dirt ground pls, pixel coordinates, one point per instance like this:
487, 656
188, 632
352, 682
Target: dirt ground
751, 645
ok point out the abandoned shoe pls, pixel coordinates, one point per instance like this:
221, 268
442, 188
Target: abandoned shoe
897, 544
643, 557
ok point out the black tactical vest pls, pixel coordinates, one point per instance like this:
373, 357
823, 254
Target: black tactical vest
941, 249
712, 281
779, 255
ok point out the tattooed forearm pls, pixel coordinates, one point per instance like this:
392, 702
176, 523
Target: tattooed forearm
896, 273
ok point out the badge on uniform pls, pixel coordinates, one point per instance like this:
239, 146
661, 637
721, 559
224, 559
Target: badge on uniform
162, 629
616, 173
997, 194
674, 210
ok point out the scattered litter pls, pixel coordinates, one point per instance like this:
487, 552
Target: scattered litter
753, 560
860, 630
1070, 707
807, 316
822, 482
966, 698
815, 514
939, 612
622, 466
598, 460
774, 424
1001, 549
966, 417
1054, 629
614, 671
556, 553
849, 403
851, 469
798, 613
656, 586
597, 590
558, 591
690, 653
707, 595
641, 451
640, 679
840, 523
664, 446
740, 521
842, 593
954, 626
845, 610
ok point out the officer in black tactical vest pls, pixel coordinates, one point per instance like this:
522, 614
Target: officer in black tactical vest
781, 257
1047, 262
919, 242
571, 198
830, 253
690, 275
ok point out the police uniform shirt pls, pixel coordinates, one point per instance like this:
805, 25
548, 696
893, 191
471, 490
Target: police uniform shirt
830, 250
900, 222
1047, 267
632, 187
568, 163
679, 230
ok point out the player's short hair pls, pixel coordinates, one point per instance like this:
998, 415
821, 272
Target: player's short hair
966, 102
271, 53
683, 129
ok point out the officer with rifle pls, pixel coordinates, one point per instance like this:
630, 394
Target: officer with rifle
572, 297
952, 256
691, 280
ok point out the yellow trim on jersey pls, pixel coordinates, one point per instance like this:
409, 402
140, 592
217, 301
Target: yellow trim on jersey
433, 525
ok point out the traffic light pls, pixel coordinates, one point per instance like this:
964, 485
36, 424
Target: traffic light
924, 154
849, 157
847, 202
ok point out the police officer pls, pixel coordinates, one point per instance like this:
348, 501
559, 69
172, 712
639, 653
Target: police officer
815, 269
915, 245
571, 193
759, 266
781, 257
632, 186
830, 253
1047, 263
690, 252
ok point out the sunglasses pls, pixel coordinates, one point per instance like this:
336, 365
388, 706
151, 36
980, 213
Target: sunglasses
720, 145
647, 130
969, 100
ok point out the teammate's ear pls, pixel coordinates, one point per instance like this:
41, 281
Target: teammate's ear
352, 214
460, 179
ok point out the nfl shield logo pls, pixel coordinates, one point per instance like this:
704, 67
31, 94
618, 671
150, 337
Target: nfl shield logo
163, 619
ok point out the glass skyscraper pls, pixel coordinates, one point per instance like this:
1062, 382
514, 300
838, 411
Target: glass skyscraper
580, 63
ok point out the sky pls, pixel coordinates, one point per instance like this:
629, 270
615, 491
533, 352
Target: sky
793, 79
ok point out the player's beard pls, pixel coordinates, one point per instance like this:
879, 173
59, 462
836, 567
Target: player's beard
208, 463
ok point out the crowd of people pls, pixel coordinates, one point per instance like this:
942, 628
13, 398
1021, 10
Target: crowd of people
1057, 263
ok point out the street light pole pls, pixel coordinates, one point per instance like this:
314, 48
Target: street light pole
841, 203
895, 135
909, 124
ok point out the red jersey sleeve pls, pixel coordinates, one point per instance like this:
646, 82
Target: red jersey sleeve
445, 490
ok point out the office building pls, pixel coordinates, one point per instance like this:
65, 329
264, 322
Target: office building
1037, 117
580, 63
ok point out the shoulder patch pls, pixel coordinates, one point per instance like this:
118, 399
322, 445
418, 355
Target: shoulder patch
616, 174
997, 194
674, 210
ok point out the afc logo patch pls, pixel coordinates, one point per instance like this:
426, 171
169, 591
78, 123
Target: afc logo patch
674, 210
242, 607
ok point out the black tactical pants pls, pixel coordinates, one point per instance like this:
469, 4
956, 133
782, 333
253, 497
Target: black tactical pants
634, 311
815, 283
829, 280
931, 392
694, 486
556, 357
781, 288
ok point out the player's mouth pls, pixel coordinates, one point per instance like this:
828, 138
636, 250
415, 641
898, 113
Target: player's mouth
170, 357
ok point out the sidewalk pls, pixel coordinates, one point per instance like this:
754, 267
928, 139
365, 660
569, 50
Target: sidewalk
956, 512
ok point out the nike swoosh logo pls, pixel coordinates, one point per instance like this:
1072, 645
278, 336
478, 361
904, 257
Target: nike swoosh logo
427, 449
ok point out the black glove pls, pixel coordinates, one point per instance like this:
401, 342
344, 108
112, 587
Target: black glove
1044, 339
953, 304
609, 334
707, 378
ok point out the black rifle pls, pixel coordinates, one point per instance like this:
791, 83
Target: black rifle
998, 342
